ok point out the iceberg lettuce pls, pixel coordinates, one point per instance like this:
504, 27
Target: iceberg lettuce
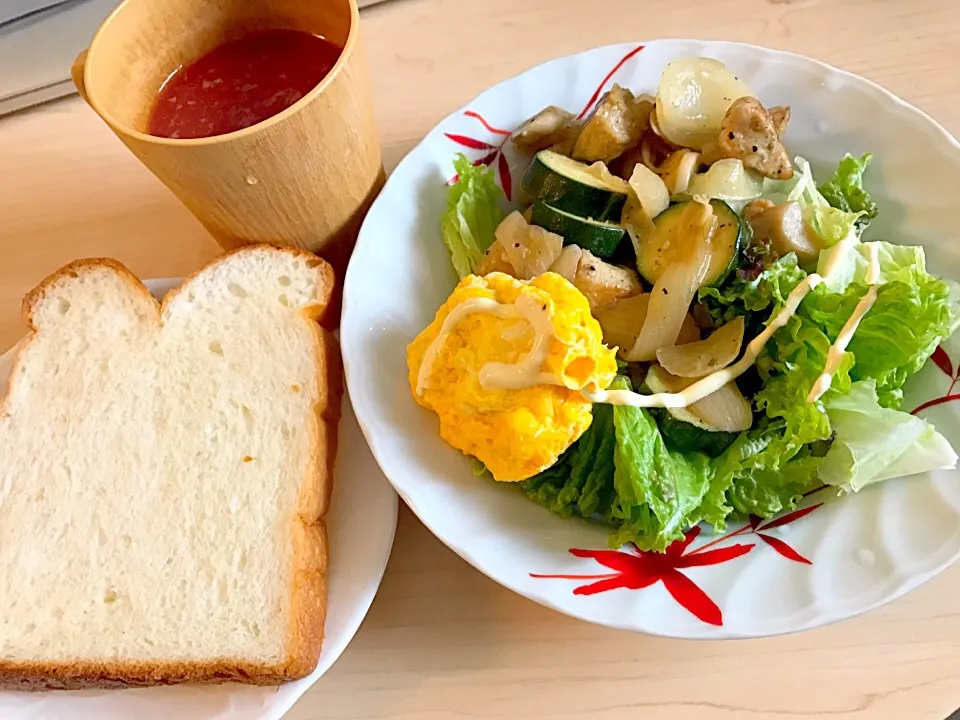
873, 443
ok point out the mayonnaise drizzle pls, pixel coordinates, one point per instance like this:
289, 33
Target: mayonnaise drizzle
526, 372
838, 349
454, 318
711, 383
495, 375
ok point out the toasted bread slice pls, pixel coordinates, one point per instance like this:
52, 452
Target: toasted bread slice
164, 472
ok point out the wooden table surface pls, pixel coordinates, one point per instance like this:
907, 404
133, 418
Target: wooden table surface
443, 641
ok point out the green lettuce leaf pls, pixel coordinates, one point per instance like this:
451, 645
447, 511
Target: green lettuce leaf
769, 468
873, 443
766, 470
913, 313
769, 485
598, 492
548, 488
623, 470
845, 192
472, 215
735, 461
658, 491
754, 299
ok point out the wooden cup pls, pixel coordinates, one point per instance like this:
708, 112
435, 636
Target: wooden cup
304, 177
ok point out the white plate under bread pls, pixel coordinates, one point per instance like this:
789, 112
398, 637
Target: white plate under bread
163, 524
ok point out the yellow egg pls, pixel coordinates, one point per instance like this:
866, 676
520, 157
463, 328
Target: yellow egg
515, 433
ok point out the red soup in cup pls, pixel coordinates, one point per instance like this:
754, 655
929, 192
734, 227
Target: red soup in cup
240, 83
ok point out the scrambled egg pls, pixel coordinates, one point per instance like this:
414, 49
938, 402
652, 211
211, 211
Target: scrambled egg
515, 433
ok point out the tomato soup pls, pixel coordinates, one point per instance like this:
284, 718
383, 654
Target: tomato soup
241, 83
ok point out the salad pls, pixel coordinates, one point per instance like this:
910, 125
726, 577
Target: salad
683, 325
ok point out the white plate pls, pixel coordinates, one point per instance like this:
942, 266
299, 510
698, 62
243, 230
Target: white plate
361, 524
798, 572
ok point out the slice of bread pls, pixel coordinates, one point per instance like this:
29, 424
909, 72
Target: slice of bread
164, 472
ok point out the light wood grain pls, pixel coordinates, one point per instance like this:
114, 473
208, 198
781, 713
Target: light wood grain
443, 641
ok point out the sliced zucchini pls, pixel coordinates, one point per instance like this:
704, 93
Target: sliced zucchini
600, 238
666, 244
678, 282
683, 427
571, 186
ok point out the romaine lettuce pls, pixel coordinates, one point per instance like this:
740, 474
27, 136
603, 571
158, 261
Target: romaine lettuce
472, 215
753, 451
621, 470
913, 312
849, 262
658, 490
755, 299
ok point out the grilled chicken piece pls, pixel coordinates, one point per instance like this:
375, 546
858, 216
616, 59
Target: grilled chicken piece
602, 282
616, 125
782, 226
552, 128
780, 115
624, 165
749, 133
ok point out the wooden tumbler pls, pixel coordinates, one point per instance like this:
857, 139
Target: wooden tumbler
304, 177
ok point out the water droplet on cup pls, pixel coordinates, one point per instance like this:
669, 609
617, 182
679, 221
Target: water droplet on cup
251, 180
865, 557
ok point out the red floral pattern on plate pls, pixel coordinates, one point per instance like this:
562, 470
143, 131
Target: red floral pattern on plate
603, 83
942, 361
635, 569
494, 152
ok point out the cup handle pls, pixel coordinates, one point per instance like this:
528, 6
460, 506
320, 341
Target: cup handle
76, 73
